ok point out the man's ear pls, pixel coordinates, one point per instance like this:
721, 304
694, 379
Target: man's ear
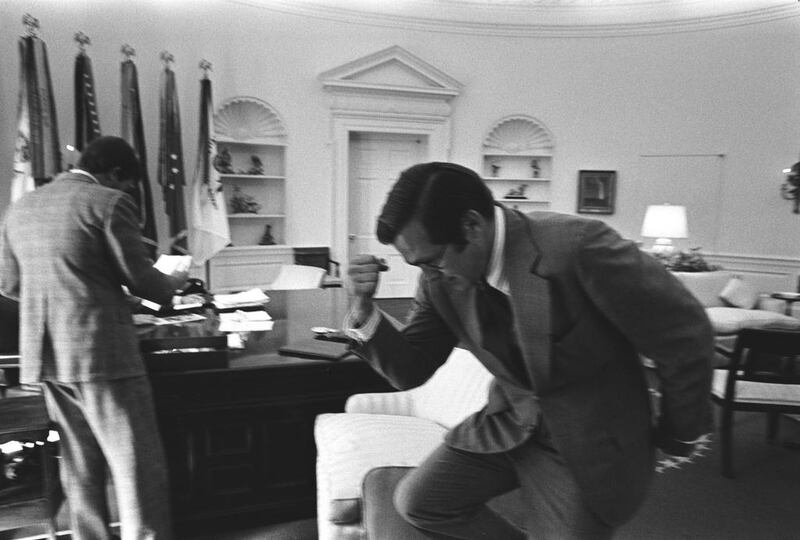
473, 225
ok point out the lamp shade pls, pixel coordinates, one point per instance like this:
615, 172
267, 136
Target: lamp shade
665, 221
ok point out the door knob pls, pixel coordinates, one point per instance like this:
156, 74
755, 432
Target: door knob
351, 237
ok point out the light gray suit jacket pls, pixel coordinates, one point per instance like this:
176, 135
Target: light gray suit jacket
66, 250
586, 303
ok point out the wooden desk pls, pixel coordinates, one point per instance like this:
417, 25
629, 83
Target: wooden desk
239, 440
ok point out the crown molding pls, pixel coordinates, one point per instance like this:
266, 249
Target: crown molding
549, 18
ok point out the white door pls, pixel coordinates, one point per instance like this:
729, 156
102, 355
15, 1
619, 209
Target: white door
376, 160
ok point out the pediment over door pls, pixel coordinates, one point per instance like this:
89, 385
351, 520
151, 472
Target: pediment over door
393, 80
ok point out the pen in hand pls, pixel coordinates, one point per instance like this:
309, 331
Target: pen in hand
382, 266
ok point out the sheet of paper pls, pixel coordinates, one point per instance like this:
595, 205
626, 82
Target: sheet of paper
170, 264
242, 299
144, 318
245, 321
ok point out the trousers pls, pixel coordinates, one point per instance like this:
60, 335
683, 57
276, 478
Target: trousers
111, 426
445, 497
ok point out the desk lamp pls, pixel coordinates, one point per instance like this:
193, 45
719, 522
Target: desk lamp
664, 222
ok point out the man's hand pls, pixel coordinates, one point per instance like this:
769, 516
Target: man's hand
363, 280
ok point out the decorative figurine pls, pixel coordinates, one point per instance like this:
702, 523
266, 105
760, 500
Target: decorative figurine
495, 168
257, 166
222, 162
517, 193
535, 168
241, 203
267, 239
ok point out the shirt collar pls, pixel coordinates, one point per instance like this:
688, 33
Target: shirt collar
85, 173
495, 275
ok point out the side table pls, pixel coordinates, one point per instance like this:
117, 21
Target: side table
789, 297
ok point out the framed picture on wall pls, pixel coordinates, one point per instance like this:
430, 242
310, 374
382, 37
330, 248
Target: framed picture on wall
596, 192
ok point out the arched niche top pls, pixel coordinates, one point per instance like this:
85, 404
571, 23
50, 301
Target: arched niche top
244, 118
519, 134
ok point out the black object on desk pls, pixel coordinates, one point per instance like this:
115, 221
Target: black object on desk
316, 349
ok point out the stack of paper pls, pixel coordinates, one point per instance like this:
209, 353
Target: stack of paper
172, 264
253, 297
245, 321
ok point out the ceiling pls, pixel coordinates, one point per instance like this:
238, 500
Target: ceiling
542, 17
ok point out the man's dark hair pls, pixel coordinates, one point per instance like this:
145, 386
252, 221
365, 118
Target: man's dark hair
106, 153
439, 194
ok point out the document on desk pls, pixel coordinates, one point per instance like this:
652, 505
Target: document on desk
250, 298
141, 319
170, 264
245, 321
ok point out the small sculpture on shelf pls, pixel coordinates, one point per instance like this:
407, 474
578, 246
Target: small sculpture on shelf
222, 162
535, 170
242, 203
267, 239
495, 168
257, 167
517, 193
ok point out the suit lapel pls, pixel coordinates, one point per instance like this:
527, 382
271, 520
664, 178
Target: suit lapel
530, 297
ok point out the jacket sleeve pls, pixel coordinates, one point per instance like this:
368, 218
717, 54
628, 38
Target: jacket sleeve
409, 356
9, 268
663, 321
124, 239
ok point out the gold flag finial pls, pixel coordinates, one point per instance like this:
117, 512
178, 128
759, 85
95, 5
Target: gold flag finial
205, 65
167, 58
128, 51
82, 40
31, 24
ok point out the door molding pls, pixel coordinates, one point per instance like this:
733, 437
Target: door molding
390, 91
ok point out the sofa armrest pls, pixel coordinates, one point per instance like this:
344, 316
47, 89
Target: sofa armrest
398, 403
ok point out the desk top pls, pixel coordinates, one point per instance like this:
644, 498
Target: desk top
294, 314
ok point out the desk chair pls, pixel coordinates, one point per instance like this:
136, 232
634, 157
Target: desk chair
37, 499
762, 376
297, 276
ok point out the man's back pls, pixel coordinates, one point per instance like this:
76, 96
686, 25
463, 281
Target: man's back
76, 242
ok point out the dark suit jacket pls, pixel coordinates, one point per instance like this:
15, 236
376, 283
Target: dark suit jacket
66, 249
586, 304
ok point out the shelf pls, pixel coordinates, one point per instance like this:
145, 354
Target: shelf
514, 179
256, 216
233, 176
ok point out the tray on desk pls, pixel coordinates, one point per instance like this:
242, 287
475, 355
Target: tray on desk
185, 353
316, 349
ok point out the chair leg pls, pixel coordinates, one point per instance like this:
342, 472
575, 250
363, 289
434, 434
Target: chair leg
726, 443
773, 426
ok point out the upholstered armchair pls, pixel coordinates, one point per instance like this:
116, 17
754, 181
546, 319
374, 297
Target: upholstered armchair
363, 452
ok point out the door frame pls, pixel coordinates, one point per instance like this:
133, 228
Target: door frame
436, 130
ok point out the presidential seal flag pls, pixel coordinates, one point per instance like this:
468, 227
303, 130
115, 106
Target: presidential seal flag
87, 123
170, 159
133, 132
37, 155
209, 232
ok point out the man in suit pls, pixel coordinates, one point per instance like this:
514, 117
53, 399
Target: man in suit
559, 309
66, 250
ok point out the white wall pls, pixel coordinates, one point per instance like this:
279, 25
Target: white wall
607, 100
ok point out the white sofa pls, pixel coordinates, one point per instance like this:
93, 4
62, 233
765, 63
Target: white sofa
742, 300
363, 452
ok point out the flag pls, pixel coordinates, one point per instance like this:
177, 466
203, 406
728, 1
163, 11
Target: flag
133, 132
210, 232
170, 163
37, 155
87, 123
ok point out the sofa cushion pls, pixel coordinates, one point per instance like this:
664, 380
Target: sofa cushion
705, 286
738, 293
729, 320
349, 445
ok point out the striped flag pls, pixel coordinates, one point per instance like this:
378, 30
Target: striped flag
37, 155
210, 232
170, 163
133, 133
87, 123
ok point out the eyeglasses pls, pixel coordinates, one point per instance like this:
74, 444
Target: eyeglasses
434, 265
